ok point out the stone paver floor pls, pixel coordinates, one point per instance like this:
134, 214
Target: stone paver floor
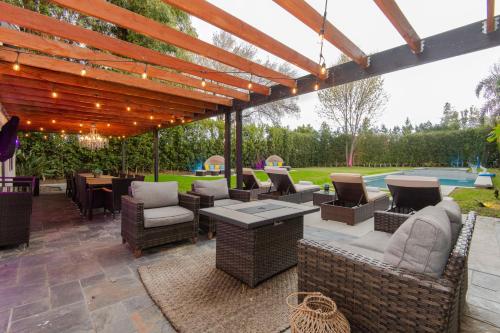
77, 276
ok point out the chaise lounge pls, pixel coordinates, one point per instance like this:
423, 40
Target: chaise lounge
285, 189
253, 184
354, 202
402, 277
155, 214
215, 193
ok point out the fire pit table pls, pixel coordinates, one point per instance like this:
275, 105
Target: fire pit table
258, 239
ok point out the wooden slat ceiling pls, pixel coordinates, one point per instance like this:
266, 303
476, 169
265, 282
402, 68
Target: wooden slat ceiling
50, 94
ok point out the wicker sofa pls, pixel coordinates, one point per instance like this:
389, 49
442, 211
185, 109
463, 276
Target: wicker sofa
215, 193
15, 215
154, 214
377, 296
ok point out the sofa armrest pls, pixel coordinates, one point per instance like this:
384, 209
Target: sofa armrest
365, 288
388, 221
242, 195
189, 201
206, 201
132, 215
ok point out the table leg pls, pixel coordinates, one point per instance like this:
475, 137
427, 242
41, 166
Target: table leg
90, 203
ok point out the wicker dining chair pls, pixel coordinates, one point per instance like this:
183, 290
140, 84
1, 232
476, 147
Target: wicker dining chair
15, 217
112, 197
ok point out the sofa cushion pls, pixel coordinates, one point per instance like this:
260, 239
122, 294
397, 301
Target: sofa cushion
226, 202
216, 188
374, 241
159, 217
452, 209
359, 250
422, 244
155, 195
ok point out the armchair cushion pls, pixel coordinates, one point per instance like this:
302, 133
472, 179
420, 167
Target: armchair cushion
452, 209
159, 217
422, 244
226, 202
374, 241
155, 195
216, 188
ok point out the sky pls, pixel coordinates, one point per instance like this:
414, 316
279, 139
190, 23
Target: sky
419, 92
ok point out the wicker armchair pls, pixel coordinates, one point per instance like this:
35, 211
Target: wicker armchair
139, 237
207, 223
377, 297
15, 217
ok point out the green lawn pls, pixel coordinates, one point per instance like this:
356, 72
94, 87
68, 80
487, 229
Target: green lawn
318, 176
471, 198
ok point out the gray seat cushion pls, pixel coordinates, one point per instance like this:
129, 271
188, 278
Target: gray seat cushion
374, 241
159, 217
307, 188
422, 244
216, 188
226, 202
155, 195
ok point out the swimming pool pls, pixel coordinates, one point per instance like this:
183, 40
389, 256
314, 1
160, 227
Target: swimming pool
447, 176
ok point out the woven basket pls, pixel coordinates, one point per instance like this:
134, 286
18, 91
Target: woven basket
316, 314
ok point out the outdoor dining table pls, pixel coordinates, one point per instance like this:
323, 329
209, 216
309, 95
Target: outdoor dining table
94, 183
258, 239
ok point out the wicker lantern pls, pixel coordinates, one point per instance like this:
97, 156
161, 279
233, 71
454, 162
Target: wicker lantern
316, 314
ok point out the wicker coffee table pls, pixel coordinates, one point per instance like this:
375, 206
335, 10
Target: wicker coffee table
258, 239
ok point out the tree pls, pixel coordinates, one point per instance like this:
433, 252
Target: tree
450, 118
489, 89
272, 112
351, 105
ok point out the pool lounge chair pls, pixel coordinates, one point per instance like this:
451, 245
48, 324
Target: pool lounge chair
285, 189
354, 203
253, 184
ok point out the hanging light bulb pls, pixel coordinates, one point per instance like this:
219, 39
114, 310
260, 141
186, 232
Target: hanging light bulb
128, 108
45, 137
16, 66
135, 123
171, 121
109, 125
159, 125
203, 83
144, 74
28, 122
294, 90
97, 105
54, 94
83, 72
183, 121
41, 129
250, 85
316, 85
323, 69
151, 117
53, 121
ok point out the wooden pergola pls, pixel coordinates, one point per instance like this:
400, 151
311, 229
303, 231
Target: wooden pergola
55, 83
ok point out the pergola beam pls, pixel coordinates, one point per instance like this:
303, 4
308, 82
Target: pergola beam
130, 20
310, 17
108, 76
60, 49
392, 11
225, 21
491, 25
452, 43
48, 25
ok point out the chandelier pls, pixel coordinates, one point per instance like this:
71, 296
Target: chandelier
93, 140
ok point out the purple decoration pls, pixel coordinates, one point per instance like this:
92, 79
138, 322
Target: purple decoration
260, 165
8, 138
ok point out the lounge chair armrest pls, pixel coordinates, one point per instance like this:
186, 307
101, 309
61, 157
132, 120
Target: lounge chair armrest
242, 195
388, 221
375, 287
189, 201
132, 213
205, 200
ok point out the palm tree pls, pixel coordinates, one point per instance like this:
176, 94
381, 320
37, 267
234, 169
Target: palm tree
489, 89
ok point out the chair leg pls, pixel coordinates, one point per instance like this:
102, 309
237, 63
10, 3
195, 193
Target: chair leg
137, 253
194, 240
210, 235
123, 240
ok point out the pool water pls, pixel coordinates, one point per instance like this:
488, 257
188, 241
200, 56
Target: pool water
465, 180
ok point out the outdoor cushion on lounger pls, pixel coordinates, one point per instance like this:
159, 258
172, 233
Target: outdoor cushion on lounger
158, 217
252, 182
283, 182
350, 187
413, 192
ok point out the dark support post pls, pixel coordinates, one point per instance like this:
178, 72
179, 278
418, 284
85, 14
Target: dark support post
156, 154
239, 149
227, 147
124, 153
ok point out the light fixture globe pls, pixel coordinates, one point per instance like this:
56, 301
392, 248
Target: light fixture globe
93, 140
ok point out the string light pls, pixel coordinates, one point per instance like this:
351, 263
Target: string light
80, 131
97, 105
183, 121
159, 125
45, 137
316, 85
323, 69
294, 90
171, 121
250, 85
203, 83
151, 117
41, 129
81, 125
135, 123
128, 108
54, 94
53, 121
144, 74
62, 131
26, 135
28, 122
83, 72
109, 125
16, 66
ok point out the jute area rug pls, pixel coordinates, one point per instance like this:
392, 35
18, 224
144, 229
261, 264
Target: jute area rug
196, 297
